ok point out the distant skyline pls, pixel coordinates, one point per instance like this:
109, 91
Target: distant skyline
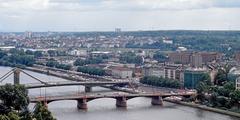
129, 15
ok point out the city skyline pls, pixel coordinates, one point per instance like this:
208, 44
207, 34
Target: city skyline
129, 15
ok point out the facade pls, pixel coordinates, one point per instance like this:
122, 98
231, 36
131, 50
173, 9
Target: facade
238, 83
173, 72
154, 71
180, 57
78, 52
167, 40
210, 56
196, 60
192, 77
234, 75
237, 57
121, 72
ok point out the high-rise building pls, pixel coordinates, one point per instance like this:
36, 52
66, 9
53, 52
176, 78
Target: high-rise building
192, 77
28, 34
173, 72
180, 57
196, 60
118, 30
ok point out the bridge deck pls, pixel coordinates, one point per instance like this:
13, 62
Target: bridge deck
70, 83
96, 96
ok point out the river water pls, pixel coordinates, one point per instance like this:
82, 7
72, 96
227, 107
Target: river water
104, 109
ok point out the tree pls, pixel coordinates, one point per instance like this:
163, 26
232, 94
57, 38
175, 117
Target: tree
38, 54
29, 52
91, 70
222, 75
235, 97
79, 62
52, 53
202, 88
63, 66
41, 112
52, 63
14, 96
160, 57
160, 82
130, 57
206, 79
14, 105
2, 54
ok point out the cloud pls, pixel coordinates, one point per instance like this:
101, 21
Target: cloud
83, 15
127, 5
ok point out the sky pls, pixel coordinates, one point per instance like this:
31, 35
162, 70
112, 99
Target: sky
129, 15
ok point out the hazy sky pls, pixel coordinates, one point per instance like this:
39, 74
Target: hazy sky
106, 15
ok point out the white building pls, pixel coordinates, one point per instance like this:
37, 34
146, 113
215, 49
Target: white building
196, 60
78, 52
121, 72
157, 72
235, 73
181, 49
174, 72
167, 41
238, 83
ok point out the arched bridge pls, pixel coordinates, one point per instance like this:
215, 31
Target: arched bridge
121, 99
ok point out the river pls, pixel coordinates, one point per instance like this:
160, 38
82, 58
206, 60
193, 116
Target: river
104, 109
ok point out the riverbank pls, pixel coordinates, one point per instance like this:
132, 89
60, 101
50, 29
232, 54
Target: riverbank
203, 107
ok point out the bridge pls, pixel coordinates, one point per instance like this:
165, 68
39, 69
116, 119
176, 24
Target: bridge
121, 99
67, 74
88, 95
70, 83
87, 83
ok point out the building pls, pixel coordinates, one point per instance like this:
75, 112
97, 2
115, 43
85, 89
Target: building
196, 60
121, 72
181, 49
167, 40
234, 76
210, 56
180, 57
174, 72
154, 71
192, 76
78, 52
238, 83
7, 48
237, 57
28, 34
118, 30
97, 53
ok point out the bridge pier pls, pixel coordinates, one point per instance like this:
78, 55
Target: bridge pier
82, 104
121, 102
16, 73
88, 89
157, 100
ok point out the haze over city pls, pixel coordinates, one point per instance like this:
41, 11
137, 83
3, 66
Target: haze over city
119, 60
130, 15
